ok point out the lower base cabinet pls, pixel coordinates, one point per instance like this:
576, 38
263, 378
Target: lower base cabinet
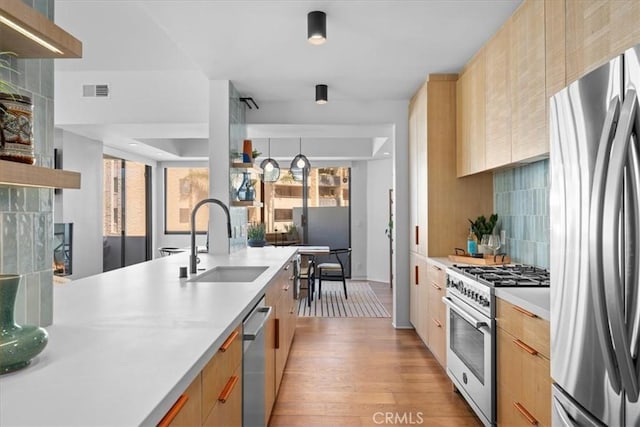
187, 411
437, 314
214, 398
523, 368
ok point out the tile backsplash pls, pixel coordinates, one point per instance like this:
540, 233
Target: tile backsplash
26, 214
522, 204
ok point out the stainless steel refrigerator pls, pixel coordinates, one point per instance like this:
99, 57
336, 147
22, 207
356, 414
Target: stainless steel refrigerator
595, 240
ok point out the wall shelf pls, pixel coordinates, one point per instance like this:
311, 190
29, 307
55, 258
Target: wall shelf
38, 25
246, 167
13, 174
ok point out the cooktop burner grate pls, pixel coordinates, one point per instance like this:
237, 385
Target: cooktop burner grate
507, 275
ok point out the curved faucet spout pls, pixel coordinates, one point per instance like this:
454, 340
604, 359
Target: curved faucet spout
193, 259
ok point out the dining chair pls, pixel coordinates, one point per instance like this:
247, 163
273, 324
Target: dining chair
333, 271
309, 275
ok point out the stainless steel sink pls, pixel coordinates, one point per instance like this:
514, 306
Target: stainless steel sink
230, 274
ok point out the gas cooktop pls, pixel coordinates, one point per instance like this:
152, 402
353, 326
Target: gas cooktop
517, 275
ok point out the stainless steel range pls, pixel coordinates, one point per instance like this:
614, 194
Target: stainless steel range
471, 324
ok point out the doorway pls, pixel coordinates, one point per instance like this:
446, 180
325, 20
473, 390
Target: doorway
127, 213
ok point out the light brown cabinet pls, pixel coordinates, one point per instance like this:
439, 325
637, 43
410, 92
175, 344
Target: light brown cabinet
417, 169
597, 31
470, 117
216, 392
447, 201
523, 367
528, 95
187, 411
279, 333
498, 99
437, 315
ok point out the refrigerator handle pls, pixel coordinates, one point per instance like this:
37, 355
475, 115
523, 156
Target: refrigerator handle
595, 243
614, 297
633, 230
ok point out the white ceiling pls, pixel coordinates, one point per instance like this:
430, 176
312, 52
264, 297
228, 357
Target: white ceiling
375, 50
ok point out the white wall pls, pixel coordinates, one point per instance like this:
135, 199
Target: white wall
359, 218
379, 181
82, 207
392, 113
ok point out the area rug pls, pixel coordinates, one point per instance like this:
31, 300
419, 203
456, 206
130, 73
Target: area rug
362, 302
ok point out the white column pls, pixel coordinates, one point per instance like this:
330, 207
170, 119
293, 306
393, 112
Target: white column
218, 164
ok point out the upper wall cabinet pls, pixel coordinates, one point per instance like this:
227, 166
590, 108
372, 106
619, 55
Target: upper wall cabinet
29, 34
528, 94
470, 118
498, 99
597, 31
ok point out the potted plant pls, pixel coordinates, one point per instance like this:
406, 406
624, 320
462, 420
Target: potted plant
255, 233
483, 227
292, 231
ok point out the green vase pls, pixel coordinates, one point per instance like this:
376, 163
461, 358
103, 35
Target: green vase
18, 344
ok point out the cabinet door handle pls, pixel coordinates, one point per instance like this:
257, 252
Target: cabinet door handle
525, 414
436, 268
532, 351
286, 288
416, 279
173, 412
523, 311
417, 234
228, 388
277, 333
227, 343
437, 322
287, 267
435, 285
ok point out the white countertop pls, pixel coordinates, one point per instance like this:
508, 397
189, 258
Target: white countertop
125, 344
535, 300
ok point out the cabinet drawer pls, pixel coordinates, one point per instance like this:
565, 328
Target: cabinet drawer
187, 411
229, 411
437, 274
524, 383
216, 373
529, 328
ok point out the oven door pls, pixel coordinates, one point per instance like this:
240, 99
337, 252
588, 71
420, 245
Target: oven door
470, 364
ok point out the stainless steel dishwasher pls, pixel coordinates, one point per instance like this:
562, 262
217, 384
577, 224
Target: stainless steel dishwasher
253, 365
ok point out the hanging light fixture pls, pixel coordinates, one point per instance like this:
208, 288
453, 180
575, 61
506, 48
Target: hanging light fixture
300, 165
316, 27
270, 168
322, 94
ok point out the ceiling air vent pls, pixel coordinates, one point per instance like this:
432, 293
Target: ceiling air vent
95, 91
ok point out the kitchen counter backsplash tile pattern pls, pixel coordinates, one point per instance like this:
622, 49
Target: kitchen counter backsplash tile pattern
522, 204
26, 214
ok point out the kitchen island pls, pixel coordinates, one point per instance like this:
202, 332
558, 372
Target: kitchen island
124, 345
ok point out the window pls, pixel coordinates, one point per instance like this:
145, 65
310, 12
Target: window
183, 188
326, 187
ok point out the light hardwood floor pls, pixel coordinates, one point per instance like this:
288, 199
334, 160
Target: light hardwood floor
357, 371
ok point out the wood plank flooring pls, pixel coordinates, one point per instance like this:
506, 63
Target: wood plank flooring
363, 372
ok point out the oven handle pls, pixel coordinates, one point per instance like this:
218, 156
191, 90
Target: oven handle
478, 324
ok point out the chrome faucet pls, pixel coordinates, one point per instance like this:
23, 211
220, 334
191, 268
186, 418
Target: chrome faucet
193, 259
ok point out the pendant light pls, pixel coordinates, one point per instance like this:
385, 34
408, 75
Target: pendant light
300, 165
316, 27
321, 94
270, 168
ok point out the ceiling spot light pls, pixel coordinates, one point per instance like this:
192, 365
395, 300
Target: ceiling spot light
322, 94
300, 165
316, 27
270, 168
